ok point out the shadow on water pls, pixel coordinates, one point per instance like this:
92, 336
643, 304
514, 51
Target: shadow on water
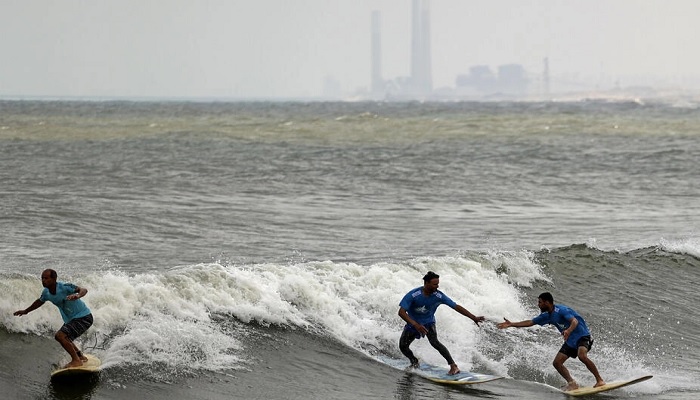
412, 387
78, 387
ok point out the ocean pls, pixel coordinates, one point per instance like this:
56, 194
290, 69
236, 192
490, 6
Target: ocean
259, 250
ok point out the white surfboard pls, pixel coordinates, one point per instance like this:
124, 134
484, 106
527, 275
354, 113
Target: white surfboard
439, 374
91, 366
587, 390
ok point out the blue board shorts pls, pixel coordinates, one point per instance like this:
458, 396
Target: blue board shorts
585, 341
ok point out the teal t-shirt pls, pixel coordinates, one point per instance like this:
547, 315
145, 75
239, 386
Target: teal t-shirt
70, 309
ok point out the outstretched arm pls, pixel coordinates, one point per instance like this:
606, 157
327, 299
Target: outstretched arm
469, 315
521, 324
38, 303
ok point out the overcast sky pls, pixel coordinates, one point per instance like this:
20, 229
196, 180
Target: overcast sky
287, 48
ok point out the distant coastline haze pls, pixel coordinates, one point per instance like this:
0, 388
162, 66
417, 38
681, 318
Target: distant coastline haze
315, 49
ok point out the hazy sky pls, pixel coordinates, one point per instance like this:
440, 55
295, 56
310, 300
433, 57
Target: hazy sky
286, 48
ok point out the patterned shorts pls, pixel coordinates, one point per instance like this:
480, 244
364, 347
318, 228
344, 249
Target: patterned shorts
77, 326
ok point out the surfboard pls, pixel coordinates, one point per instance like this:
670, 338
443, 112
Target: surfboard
91, 366
439, 374
584, 391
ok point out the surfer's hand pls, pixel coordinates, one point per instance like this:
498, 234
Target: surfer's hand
20, 313
504, 325
478, 319
421, 329
74, 296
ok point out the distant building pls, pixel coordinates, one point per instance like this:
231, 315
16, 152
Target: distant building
511, 80
480, 78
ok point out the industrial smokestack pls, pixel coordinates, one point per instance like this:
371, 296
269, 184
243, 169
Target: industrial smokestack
376, 79
421, 71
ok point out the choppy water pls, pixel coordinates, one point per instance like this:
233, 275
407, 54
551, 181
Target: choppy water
259, 250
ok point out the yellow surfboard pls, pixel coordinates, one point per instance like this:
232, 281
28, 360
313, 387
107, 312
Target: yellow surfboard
91, 366
583, 391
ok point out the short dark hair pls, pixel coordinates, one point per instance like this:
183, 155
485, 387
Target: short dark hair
430, 276
546, 296
52, 273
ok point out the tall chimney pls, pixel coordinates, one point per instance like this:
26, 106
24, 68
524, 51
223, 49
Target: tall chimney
421, 71
377, 81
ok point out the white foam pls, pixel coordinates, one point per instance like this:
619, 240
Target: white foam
174, 318
157, 317
690, 246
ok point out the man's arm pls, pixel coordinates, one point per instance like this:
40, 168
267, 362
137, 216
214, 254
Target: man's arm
404, 316
521, 324
79, 292
567, 331
469, 315
38, 303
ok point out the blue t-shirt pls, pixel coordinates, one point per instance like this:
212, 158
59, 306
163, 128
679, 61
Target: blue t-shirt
421, 307
70, 309
561, 317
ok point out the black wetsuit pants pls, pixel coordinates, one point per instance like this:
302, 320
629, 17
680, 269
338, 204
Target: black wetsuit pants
408, 336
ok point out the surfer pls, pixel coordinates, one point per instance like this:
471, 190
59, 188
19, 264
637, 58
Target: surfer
577, 337
418, 308
76, 315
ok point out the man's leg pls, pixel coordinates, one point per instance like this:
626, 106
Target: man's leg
432, 338
69, 332
583, 356
407, 337
558, 363
68, 345
79, 353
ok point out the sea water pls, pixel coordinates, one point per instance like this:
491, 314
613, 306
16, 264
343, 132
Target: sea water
260, 250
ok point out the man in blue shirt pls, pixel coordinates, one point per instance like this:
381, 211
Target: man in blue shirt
76, 315
418, 308
577, 337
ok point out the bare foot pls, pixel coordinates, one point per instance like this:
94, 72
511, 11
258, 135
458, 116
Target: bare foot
599, 383
75, 363
570, 386
454, 370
